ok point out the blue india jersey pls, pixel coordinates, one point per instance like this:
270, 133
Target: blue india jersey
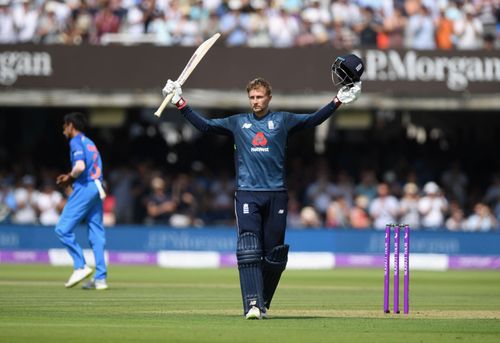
83, 148
260, 143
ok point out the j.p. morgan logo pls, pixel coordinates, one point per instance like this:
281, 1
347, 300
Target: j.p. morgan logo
456, 71
22, 63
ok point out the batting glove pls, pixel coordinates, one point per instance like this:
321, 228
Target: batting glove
347, 94
174, 87
169, 88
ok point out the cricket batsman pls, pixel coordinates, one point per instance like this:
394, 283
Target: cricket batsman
261, 195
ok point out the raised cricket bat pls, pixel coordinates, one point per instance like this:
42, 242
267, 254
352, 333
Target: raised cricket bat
188, 69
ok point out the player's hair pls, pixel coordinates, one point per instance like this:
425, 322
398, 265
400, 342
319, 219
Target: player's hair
78, 120
259, 82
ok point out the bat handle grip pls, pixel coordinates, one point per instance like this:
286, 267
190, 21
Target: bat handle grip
164, 104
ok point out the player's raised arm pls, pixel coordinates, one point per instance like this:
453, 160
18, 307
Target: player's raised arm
219, 126
346, 74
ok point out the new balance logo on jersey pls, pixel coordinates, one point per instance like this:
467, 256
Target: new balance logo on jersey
246, 209
246, 126
259, 141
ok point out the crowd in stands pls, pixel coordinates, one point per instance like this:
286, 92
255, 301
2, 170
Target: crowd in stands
319, 197
343, 24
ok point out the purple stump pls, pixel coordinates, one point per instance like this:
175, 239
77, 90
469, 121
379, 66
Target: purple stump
396, 269
387, 259
406, 299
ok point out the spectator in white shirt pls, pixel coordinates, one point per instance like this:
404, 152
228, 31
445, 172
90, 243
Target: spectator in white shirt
49, 203
469, 31
26, 197
432, 207
384, 208
481, 220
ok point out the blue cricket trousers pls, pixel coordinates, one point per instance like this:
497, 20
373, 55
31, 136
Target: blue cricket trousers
263, 213
84, 204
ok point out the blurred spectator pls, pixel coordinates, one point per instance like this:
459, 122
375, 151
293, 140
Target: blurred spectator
368, 27
105, 22
26, 198
49, 204
432, 207
469, 30
7, 26
81, 26
293, 218
337, 213
160, 205
408, 206
384, 208
394, 28
283, 29
345, 11
481, 220
492, 195
345, 186
221, 196
444, 31
25, 20
121, 182
109, 204
258, 30
367, 185
358, 216
186, 199
456, 220
7, 201
310, 218
49, 29
141, 191
455, 183
321, 192
420, 30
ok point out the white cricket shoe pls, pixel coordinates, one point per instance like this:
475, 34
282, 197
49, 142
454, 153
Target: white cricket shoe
253, 313
99, 285
78, 275
263, 313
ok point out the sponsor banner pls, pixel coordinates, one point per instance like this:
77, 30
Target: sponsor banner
61, 257
362, 261
188, 259
212, 259
310, 260
228, 260
474, 262
29, 257
133, 68
132, 258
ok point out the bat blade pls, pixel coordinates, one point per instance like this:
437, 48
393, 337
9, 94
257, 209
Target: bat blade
188, 69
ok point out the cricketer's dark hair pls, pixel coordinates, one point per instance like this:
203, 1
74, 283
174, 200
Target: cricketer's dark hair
259, 82
78, 120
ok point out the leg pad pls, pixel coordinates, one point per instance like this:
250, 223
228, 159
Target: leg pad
274, 265
249, 255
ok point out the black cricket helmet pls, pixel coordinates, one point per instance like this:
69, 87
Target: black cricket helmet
346, 70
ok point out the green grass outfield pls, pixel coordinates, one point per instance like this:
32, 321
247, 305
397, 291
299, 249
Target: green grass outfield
150, 304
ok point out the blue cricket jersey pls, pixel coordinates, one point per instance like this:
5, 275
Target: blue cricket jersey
260, 143
82, 148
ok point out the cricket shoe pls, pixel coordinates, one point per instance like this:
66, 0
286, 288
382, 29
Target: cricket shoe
253, 313
263, 313
99, 285
78, 276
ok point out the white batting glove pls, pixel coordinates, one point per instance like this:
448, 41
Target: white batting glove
169, 88
177, 93
347, 94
